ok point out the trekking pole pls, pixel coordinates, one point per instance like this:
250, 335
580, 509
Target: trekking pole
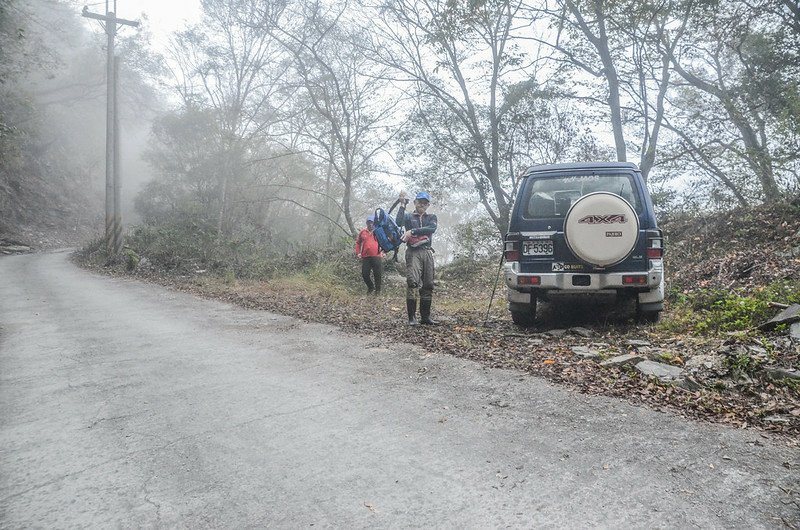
496, 279
502, 257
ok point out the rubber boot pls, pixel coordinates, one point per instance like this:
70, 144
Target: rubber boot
411, 307
425, 313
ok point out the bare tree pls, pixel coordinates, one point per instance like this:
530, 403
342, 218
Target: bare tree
744, 65
652, 34
460, 61
231, 68
621, 43
344, 110
591, 19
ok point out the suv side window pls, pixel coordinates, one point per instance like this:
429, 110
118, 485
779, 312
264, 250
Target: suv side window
549, 197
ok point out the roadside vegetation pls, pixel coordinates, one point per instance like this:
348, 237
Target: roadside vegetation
719, 295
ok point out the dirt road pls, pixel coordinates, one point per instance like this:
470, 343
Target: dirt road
123, 404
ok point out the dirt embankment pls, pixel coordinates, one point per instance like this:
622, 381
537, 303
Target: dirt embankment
735, 249
16, 238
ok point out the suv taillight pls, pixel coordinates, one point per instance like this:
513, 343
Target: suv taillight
655, 244
512, 248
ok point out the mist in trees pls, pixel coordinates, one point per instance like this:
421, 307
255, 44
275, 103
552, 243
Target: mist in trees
52, 119
737, 101
283, 123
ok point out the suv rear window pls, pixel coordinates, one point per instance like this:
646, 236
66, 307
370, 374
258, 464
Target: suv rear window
547, 197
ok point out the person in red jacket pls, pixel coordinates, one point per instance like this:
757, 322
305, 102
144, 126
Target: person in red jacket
371, 256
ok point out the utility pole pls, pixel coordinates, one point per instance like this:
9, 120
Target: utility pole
117, 176
113, 217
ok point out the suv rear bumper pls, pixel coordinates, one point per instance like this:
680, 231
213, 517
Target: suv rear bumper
599, 284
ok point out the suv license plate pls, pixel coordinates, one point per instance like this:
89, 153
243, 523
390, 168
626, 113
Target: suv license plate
537, 247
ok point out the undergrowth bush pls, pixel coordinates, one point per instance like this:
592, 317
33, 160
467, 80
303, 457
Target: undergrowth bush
470, 271
181, 248
335, 267
717, 310
93, 252
189, 248
323, 279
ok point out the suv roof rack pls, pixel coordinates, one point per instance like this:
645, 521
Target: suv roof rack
583, 165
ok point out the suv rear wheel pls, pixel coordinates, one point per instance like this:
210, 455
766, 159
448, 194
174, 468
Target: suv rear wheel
649, 316
524, 315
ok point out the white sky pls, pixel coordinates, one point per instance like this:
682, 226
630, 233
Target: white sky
163, 16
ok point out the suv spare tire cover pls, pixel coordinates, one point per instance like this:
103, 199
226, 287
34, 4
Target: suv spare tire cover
601, 229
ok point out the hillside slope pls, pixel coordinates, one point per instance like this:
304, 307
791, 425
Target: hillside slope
736, 249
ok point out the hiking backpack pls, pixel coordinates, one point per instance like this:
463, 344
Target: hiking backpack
387, 232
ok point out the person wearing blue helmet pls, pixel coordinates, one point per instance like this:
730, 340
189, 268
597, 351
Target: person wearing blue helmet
419, 228
371, 256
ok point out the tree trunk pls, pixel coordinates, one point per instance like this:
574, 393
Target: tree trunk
649, 156
223, 199
757, 154
610, 72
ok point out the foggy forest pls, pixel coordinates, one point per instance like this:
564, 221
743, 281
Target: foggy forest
271, 127
247, 354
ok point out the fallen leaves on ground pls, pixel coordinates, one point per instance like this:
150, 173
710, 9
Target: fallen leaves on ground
747, 402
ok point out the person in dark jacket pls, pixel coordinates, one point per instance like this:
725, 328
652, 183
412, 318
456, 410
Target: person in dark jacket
371, 256
419, 228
